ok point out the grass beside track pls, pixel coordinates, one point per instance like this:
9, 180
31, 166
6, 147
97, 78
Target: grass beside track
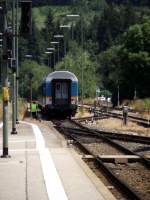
22, 107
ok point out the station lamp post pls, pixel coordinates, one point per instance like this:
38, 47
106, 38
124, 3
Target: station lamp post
58, 37
66, 26
17, 57
82, 81
28, 56
1, 40
72, 16
30, 79
49, 58
30, 76
13, 66
56, 43
118, 95
50, 51
5, 91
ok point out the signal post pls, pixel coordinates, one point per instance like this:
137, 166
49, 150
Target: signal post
5, 91
13, 67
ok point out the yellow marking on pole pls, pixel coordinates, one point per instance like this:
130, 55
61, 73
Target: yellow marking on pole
5, 94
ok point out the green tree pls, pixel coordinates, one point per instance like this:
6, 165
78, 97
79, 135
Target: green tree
108, 28
74, 61
109, 71
23, 50
31, 46
49, 29
38, 71
135, 59
34, 44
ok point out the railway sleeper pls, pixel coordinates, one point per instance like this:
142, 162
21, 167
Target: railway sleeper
117, 159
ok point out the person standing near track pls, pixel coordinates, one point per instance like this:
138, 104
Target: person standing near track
34, 109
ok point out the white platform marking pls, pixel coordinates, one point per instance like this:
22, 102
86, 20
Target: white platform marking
53, 183
1, 124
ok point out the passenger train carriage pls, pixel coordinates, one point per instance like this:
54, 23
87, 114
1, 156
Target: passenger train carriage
60, 93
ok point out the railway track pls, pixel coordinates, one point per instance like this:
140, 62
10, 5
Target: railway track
142, 121
103, 148
113, 135
77, 128
118, 114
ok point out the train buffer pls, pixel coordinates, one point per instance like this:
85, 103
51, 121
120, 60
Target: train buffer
43, 167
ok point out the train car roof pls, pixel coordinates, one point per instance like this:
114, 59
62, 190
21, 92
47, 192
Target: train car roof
61, 75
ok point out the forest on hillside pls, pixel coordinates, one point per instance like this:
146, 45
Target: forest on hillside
77, 2
110, 39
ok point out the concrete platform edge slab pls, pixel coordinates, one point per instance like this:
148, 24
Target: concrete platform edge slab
95, 180
53, 183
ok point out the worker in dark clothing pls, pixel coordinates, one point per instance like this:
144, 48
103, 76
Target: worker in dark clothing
125, 115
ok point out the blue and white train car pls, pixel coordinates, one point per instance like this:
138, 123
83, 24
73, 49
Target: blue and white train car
60, 93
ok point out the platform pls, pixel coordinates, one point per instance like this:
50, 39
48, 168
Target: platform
43, 167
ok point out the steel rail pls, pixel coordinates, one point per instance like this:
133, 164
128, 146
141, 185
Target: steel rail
118, 109
144, 160
91, 117
112, 135
140, 120
124, 187
112, 143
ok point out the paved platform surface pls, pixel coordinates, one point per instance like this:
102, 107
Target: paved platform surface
43, 167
